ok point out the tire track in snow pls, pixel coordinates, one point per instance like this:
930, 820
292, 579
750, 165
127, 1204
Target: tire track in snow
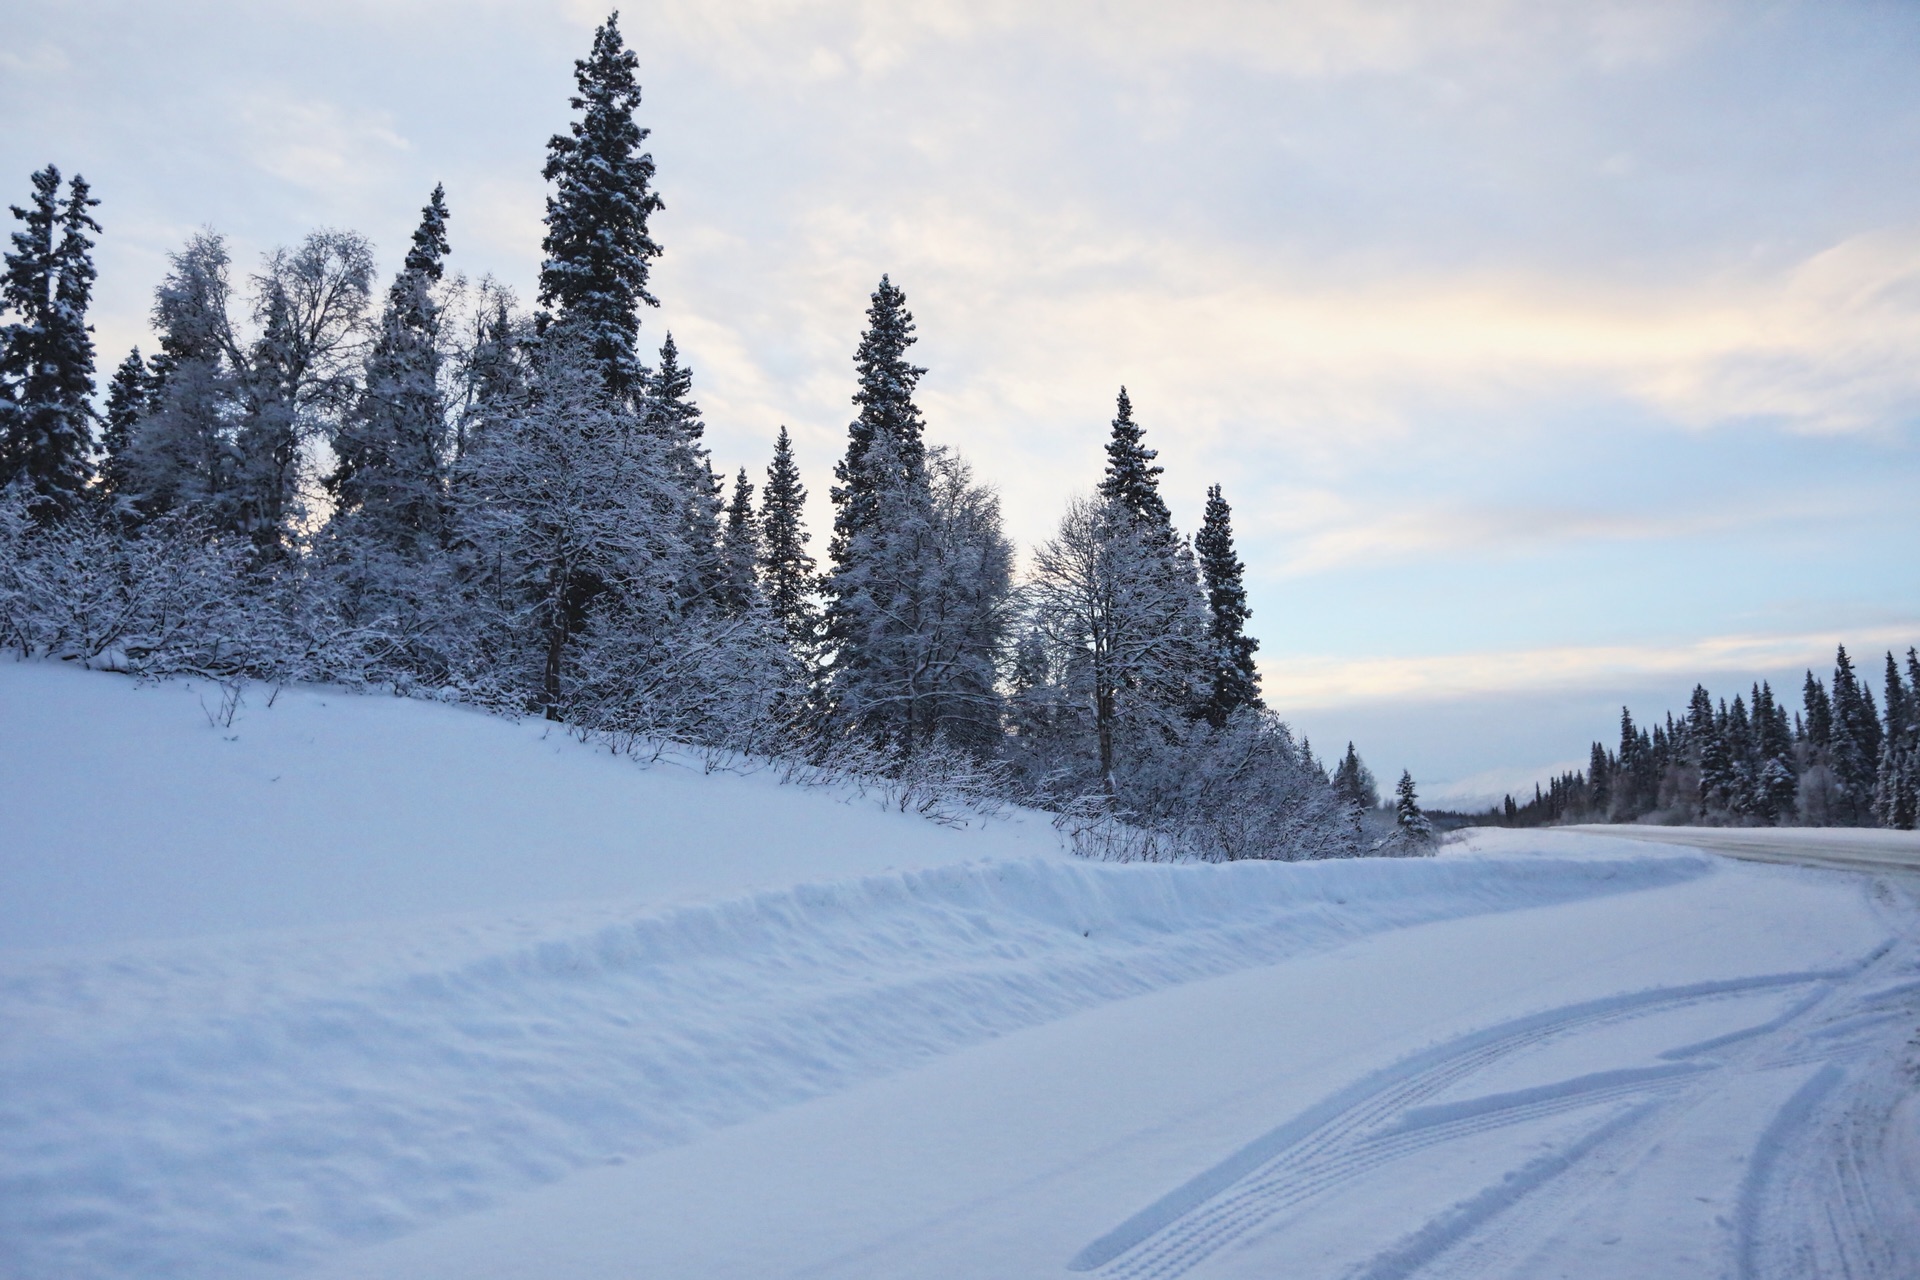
1352, 1132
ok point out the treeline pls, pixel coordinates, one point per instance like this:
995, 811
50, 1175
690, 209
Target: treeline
1837, 760
434, 491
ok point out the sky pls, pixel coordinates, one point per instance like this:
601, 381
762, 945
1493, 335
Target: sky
1552, 356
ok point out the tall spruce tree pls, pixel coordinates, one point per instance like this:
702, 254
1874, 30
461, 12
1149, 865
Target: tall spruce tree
1132, 481
882, 503
1599, 781
1354, 783
46, 351
1236, 682
787, 570
1157, 580
672, 417
598, 249
129, 399
887, 411
740, 551
1893, 795
1775, 780
1819, 713
1413, 823
391, 451
1855, 742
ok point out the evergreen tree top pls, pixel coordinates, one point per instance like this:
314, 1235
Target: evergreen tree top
430, 246
598, 249
1132, 480
46, 352
673, 411
1235, 679
887, 379
887, 435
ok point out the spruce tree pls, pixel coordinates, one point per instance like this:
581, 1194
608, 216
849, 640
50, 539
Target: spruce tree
1413, 824
672, 417
1774, 777
391, 452
1819, 713
1893, 799
882, 515
129, 399
1157, 581
740, 551
598, 249
46, 351
1855, 740
1599, 781
787, 570
1708, 732
1132, 480
887, 381
1353, 782
1236, 682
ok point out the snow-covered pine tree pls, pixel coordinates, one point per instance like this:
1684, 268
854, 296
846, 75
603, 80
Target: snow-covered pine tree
1893, 799
1908, 805
886, 411
1236, 681
882, 515
1354, 783
46, 350
391, 449
1819, 713
786, 569
1132, 480
1854, 748
1599, 781
1742, 788
598, 249
1775, 780
673, 418
739, 552
1160, 575
129, 399
1414, 827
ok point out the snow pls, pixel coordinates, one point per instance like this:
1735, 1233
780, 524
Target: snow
357, 986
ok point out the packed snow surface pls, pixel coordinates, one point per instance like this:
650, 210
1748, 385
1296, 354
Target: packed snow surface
350, 986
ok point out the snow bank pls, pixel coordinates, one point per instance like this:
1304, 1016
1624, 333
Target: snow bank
351, 964
209, 1108
135, 812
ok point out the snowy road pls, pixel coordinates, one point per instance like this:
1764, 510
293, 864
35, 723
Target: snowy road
356, 987
1692, 1081
1848, 849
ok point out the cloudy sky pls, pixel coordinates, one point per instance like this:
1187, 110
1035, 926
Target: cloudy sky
1552, 355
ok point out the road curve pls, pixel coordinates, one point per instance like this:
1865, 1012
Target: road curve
1841, 848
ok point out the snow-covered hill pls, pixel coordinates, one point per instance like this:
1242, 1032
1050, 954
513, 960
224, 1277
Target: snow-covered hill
351, 985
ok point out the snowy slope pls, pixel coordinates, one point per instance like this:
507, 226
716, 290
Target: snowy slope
357, 986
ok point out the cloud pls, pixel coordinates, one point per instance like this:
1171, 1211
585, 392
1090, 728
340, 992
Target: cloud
1340, 533
805, 41
317, 145
36, 60
1317, 682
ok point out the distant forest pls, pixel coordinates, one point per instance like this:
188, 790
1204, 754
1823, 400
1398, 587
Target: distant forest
1838, 760
433, 491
